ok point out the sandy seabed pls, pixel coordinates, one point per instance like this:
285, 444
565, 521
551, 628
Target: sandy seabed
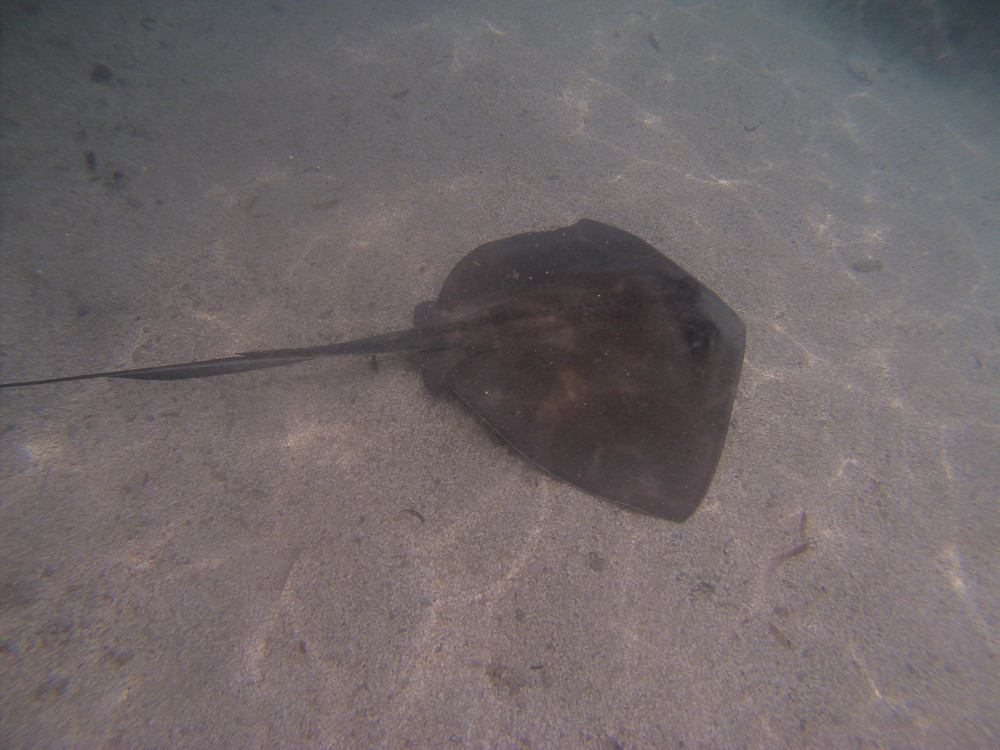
329, 556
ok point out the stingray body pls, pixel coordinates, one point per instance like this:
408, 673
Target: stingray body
589, 351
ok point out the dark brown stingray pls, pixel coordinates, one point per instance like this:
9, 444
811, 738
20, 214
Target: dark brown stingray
585, 348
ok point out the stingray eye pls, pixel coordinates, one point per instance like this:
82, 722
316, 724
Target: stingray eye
698, 333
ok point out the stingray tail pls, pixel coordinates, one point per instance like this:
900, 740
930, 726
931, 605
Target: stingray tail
409, 340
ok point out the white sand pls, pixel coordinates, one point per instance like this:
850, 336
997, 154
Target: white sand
229, 562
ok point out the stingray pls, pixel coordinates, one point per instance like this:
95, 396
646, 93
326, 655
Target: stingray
585, 348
